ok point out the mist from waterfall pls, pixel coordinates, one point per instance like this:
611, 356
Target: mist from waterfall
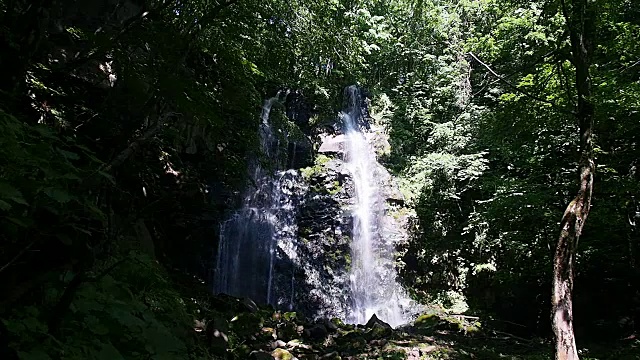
373, 285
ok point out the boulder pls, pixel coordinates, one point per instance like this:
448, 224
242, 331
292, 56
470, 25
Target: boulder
317, 332
329, 325
374, 321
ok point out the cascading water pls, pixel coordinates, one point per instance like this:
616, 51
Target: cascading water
254, 237
373, 285
288, 244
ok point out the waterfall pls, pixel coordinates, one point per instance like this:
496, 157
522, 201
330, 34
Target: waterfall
255, 238
373, 285
339, 209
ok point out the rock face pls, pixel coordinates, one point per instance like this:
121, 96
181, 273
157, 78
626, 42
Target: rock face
325, 229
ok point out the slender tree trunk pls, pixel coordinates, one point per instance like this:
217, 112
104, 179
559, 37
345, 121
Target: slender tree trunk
577, 211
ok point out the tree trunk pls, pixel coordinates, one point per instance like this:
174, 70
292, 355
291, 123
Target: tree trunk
577, 211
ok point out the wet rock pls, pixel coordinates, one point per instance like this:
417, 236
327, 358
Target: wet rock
388, 185
377, 329
300, 153
324, 229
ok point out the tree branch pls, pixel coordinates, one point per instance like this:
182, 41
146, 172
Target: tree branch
514, 87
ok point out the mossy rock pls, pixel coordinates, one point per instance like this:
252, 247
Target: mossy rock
281, 354
451, 324
339, 323
378, 331
427, 320
473, 329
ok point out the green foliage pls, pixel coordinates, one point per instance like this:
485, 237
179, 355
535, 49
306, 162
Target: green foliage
132, 312
488, 164
128, 127
320, 161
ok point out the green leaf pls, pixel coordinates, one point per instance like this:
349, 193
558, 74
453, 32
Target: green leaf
99, 329
58, 195
108, 176
108, 352
68, 154
96, 211
85, 231
22, 222
65, 239
45, 131
71, 176
9, 192
5, 205
33, 355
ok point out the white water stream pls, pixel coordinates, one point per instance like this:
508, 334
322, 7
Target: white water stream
374, 289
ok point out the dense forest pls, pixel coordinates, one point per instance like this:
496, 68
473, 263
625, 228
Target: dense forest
128, 128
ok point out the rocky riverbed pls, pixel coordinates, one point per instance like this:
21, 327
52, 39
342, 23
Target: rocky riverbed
247, 331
